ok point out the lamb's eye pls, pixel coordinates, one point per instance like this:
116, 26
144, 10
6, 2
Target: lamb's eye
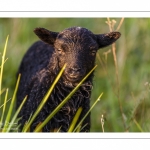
59, 50
93, 52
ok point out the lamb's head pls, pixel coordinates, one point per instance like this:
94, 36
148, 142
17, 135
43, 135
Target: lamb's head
77, 48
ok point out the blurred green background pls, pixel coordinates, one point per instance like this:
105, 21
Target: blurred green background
133, 58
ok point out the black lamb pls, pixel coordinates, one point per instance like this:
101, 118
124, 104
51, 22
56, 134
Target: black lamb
77, 48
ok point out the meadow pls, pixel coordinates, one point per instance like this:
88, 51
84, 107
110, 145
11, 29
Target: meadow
122, 75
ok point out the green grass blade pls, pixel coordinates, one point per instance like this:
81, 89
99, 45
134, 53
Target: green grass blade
4, 106
79, 124
4, 103
2, 91
44, 99
59, 129
62, 103
4, 61
16, 114
75, 119
81, 127
78, 129
138, 126
11, 106
2, 68
27, 123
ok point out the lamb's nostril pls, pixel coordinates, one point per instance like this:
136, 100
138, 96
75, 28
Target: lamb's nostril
74, 72
76, 69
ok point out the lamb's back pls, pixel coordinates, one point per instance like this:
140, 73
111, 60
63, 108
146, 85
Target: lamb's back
32, 67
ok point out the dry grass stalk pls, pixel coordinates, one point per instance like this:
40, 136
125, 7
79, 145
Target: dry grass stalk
102, 122
111, 25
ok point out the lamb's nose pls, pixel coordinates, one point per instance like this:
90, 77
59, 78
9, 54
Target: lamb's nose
74, 71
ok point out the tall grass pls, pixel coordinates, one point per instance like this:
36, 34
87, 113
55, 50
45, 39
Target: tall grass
111, 25
125, 111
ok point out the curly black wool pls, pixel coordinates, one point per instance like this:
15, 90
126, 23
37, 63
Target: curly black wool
77, 48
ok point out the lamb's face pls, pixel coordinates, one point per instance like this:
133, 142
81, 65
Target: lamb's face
77, 48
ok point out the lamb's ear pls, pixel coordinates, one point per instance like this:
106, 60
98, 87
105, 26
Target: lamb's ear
46, 35
107, 39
